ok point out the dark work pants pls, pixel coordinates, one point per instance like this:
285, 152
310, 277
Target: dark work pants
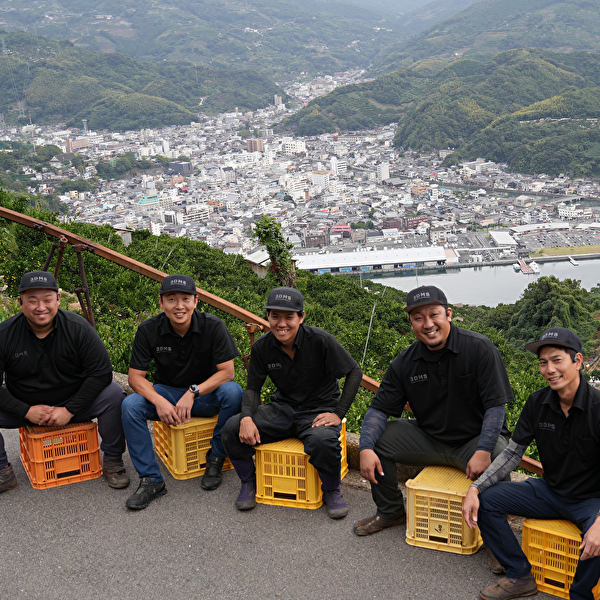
535, 499
276, 421
403, 441
106, 408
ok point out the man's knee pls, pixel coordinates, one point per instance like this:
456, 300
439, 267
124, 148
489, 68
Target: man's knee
230, 395
230, 431
134, 407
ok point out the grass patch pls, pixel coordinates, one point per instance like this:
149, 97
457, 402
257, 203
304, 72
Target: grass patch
569, 251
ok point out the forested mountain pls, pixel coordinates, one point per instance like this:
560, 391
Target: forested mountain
476, 107
492, 26
281, 38
114, 91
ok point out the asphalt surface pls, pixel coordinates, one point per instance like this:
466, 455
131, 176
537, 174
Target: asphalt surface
80, 542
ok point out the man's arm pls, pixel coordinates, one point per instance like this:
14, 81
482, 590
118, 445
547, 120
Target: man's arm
373, 425
503, 464
225, 373
590, 546
351, 385
490, 430
141, 385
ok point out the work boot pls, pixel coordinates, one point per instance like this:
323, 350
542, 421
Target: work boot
146, 492
495, 567
114, 471
246, 471
332, 495
375, 523
8, 480
508, 588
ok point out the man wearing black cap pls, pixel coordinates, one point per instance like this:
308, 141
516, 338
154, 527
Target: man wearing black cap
456, 385
564, 419
193, 353
57, 371
304, 363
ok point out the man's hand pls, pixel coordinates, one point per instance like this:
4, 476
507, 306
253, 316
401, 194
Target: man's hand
39, 414
59, 416
590, 546
249, 433
166, 412
326, 419
471, 507
479, 462
369, 465
183, 408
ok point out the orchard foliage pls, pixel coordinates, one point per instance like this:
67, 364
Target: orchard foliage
121, 299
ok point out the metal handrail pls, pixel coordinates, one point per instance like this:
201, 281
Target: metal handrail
129, 263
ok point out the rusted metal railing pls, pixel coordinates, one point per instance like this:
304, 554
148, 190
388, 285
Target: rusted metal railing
80, 244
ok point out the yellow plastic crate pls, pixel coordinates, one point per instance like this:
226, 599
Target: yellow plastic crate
183, 448
552, 548
284, 477
58, 455
434, 511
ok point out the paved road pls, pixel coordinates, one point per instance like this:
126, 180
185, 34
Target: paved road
79, 542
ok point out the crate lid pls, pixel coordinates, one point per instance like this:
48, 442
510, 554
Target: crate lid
441, 479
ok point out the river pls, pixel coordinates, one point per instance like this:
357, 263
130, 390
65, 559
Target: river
491, 286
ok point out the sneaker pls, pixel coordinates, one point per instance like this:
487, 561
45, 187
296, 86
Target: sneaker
8, 481
336, 507
114, 471
212, 476
510, 588
375, 523
146, 492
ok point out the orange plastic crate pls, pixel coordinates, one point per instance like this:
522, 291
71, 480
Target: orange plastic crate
284, 477
434, 511
183, 448
59, 455
552, 548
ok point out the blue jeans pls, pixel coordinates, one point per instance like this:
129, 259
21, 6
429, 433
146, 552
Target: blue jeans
535, 499
225, 401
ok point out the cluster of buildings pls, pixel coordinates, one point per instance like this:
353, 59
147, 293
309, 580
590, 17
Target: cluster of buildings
330, 193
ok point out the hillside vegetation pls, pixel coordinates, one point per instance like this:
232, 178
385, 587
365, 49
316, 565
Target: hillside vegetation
478, 108
61, 82
492, 26
122, 299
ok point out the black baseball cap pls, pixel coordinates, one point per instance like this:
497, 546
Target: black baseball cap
426, 294
285, 298
178, 283
556, 336
38, 280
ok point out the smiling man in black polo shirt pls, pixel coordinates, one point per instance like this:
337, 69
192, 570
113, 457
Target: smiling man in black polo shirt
457, 388
57, 371
564, 420
193, 353
304, 363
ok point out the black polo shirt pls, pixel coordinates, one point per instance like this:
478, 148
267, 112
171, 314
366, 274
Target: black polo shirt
569, 446
449, 390
182, 361
308, 382
50, 370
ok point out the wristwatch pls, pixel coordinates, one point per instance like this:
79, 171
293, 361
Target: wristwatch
195, 390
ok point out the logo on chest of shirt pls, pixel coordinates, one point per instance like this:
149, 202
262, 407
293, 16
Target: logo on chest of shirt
274, 366
422, 378
21, 354
547, 426
163, 349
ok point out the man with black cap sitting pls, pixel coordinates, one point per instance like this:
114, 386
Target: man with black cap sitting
304, 363
193, 353
57, 371
564, 419
457, 388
